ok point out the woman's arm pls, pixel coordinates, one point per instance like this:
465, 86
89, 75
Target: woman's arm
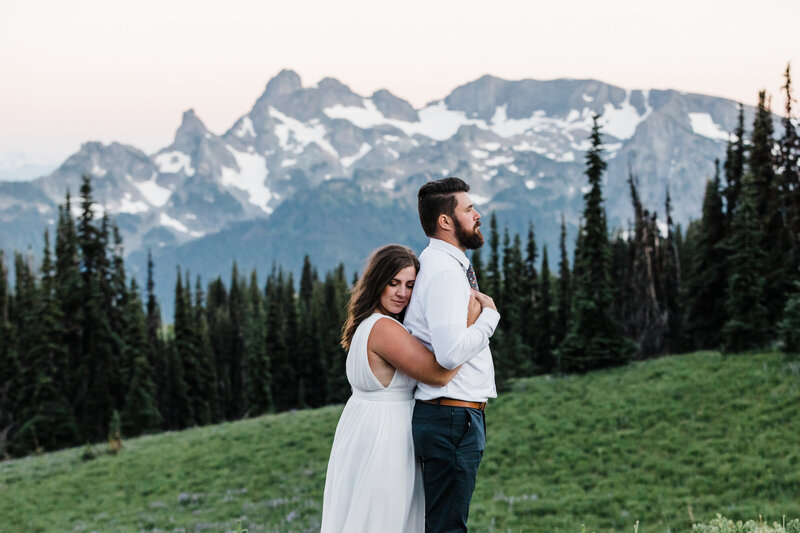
392, 342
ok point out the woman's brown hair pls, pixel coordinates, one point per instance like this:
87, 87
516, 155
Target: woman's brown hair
382, 266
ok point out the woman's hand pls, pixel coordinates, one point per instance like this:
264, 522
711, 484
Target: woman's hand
483, 299
474, 309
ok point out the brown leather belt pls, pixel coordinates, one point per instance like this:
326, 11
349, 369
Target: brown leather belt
456, 403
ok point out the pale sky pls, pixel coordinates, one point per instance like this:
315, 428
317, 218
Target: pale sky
79, 70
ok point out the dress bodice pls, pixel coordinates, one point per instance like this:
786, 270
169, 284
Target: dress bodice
359, 373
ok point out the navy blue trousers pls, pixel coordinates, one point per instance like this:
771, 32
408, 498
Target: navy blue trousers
449, 441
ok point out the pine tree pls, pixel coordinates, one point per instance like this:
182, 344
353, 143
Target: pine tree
69, 294
156, 350
47, 420
746, 327
544, 320
790, 325
8, 360
788, 181
512, 356
259, 378
95, 400
236, 350
336, 298
734, 168
761, 173
529, 331
493, 283
141, 413
185, 358
219, 332
707, 276
595, 338
284, 391
564, 300
206, 359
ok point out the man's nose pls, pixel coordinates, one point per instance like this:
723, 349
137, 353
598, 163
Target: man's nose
477, 215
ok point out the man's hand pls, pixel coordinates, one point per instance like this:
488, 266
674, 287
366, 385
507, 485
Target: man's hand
483, 299
474, 309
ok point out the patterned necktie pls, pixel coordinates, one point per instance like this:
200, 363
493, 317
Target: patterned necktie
473, 282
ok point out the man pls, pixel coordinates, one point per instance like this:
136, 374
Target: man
449, 425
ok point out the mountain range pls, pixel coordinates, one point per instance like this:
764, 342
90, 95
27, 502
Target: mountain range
321, 170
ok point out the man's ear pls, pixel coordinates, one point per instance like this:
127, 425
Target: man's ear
444, 222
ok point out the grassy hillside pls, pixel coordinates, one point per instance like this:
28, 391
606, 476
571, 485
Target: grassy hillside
666, 442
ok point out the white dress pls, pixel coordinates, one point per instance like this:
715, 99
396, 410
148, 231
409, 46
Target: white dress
374, 484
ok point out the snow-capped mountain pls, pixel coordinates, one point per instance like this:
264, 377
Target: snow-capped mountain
520, 144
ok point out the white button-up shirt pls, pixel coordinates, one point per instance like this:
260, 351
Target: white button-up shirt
437, 317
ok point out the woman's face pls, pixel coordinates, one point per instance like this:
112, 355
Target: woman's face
397, 293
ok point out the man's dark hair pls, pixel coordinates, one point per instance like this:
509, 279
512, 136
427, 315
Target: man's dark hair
436, 198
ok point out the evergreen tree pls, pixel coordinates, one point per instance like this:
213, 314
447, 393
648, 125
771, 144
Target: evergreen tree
512, 356
493, 283
236, 350
187, 344
95, 399
220, 333
179, 412
734, 168
477, 265
544, 320
529, 331
670, 281
8, 359
564, 300
707, 278
69, 294
643, 313
141, 413
259, 378
156, 350
595, 338
284, 391
761, 173
206, 359
47, 421
788, 180
336, 298
790, 325
746, 327
184, 356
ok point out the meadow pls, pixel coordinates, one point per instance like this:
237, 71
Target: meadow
667, 443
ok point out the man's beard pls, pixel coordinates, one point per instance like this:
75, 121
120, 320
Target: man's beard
471, 240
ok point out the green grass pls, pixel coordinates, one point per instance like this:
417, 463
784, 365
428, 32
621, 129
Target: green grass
667, 442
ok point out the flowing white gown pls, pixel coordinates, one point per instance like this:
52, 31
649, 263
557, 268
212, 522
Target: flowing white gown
374, 484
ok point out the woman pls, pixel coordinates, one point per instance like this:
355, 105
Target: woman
373, 483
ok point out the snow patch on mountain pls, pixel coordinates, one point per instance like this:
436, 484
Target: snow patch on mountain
168, 221
173, 162
621, 122
128, 205
704, 125
301, 133
349, 160
245, 127
251, 178
153, 193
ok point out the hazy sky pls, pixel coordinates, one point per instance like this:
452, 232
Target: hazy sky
78, 70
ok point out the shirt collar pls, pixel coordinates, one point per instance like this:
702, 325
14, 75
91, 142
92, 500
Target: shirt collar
458, 255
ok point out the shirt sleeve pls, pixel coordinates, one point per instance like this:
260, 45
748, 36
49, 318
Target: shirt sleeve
446, 314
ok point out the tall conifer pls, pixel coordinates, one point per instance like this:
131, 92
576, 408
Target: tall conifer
595, 338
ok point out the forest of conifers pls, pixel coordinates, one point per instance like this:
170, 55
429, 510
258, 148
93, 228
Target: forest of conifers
82, 344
